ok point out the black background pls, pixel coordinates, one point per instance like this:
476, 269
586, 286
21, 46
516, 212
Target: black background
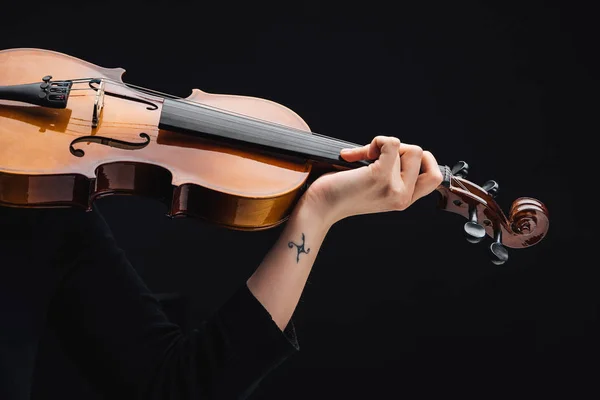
397, 305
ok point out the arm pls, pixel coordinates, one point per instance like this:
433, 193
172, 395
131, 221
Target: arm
386, 185
113, 327
280, 279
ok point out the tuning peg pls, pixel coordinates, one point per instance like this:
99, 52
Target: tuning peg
473, 231
499, 252
491, 187
460, 169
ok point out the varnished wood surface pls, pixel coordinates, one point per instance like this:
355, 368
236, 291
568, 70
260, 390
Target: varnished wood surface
37, 168
526, 224
194, 176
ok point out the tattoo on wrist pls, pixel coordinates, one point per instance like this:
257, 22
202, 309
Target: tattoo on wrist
299, 247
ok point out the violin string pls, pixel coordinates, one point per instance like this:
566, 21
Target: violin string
459, 183
299, 137
322, 139
333, 143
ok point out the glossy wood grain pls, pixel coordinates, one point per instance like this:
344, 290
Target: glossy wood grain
41, 163
189, 173
527, 222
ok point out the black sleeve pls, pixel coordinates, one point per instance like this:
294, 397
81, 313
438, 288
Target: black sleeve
113, 326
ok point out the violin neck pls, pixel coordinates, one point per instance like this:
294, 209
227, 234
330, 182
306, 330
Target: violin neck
205, 121
213, 123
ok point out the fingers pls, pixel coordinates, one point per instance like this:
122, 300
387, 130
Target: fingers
357, 153
383, 148
419, 171
430, 178
389, 156
411, 156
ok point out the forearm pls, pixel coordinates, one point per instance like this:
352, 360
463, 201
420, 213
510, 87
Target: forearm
279, 280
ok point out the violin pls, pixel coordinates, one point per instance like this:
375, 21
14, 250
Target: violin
72, 132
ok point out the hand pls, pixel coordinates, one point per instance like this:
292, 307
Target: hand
401, 174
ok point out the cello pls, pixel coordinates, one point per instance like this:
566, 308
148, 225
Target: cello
72, 132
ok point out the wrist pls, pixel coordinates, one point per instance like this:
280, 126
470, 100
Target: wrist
317, 209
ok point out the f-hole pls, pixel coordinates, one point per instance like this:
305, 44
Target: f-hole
119, 144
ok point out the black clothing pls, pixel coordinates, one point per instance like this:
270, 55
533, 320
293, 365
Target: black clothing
62, 267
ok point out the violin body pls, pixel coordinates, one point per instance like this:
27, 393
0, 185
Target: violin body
225, 185
72, 132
